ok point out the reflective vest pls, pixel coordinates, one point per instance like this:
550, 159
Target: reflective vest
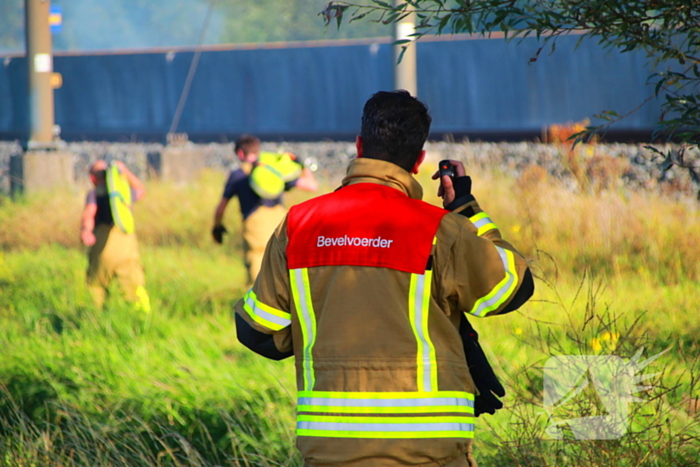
271, 172
368, 228
119, 192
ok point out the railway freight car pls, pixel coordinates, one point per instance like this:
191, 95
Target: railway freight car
478, 88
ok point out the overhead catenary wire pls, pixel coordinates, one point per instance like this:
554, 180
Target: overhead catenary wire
193, 68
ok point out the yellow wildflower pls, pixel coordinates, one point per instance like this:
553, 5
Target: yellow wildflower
611, 339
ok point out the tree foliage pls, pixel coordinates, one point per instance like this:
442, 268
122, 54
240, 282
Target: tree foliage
288, 20
119, 24
112, 24
667, 31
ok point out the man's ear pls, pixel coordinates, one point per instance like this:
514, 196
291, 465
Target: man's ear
240, 154
358, 145
420, 160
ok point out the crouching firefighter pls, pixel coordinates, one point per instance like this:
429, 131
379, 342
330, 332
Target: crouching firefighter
365, 286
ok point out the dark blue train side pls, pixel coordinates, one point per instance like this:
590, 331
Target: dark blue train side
479, 88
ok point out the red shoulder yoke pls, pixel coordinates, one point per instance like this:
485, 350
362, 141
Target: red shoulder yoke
364, 224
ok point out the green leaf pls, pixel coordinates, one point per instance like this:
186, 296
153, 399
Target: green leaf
360, 16
383, 4
403, 51
443, 22
666, 164
666, 33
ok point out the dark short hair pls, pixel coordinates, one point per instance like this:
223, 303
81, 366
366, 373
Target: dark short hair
247, 143
395, 126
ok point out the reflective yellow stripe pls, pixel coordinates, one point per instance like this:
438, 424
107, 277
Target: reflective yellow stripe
299, 279
386, 402
468, 432
265, 315
483, 223
385, 427
386, 415
384, 420
418, 311
503, 289
385, 410
394, 396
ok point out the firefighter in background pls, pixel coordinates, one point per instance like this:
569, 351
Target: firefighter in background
259, 184
107, 227
367, 288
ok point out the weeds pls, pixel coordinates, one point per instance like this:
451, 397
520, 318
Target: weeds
658, 423
615, 271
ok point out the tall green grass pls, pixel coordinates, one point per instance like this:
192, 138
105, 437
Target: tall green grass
115, 387
113, 380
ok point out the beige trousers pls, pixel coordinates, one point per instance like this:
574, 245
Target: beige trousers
466, 460
257, 230
116, 254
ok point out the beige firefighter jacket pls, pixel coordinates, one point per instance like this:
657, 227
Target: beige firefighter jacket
379, 388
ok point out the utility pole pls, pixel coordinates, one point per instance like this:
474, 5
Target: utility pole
43, 166
40, 68
405, 72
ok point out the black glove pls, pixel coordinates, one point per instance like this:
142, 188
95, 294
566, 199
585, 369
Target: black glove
484, 378
463, 192
218, 233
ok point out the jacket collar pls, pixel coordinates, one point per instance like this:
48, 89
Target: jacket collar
365, 170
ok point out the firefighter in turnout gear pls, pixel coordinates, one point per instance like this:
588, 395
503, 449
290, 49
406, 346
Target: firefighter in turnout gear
259, 184
367, 288
107, 227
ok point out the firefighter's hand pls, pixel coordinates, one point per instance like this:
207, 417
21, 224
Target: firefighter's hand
87, 237
218, 233
490, 389
447, 185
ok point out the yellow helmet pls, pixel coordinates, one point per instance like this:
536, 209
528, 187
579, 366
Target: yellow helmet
271, 173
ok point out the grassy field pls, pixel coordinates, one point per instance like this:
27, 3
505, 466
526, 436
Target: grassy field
616, 272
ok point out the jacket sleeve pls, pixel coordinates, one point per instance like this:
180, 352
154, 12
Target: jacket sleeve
259, 342
266, 308
489, 276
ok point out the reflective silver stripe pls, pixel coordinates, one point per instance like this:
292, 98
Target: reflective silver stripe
258, 311
482, 222
418, 402
502, 291
334, 426
388, 415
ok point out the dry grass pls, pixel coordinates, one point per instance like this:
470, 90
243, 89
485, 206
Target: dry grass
610, 232
47, 218
177, 389
170, 214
